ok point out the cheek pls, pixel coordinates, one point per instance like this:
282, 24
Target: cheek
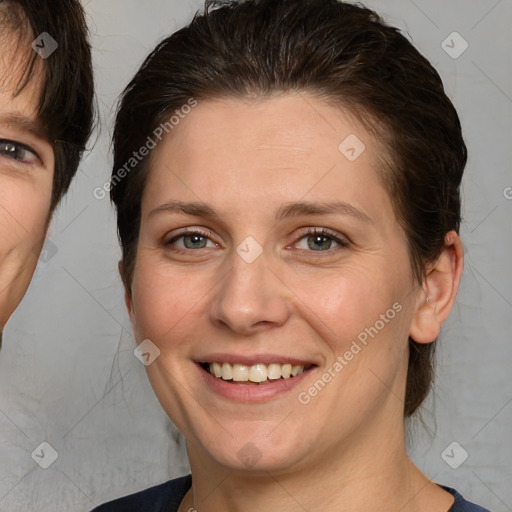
23, 216
165, 299
336, 306
363, 320
342, 303
360, 314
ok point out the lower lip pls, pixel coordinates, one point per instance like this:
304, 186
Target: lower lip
252, 392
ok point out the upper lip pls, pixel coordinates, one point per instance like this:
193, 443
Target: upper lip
250, 360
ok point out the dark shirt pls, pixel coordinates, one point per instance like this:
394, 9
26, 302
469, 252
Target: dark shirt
168, 496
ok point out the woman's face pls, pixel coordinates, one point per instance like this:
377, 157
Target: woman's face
267, 238
26, 176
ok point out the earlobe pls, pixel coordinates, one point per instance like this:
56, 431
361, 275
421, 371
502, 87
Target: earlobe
439, 291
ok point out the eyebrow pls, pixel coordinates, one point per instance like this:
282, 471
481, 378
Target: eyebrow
322, 208
200, 209
24, 124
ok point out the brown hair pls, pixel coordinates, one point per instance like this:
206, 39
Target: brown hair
65, 107
341, 52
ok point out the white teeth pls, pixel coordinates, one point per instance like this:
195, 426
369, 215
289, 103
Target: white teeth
274, 371
286, 371
240, 373
258, 373
217, 370
227, 371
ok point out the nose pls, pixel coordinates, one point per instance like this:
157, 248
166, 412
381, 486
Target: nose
250, 298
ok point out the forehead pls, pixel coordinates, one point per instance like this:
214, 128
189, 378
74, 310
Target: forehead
21, 71
254, 155
279, 136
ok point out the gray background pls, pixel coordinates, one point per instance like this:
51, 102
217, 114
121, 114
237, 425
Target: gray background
67, 371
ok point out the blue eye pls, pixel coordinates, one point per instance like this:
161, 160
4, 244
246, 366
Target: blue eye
191, 240
316, 240
320, 240
17, 152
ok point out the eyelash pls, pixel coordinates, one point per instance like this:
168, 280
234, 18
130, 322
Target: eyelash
19, 147
310, 232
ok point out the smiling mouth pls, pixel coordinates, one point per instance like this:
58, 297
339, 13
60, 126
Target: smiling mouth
257, 374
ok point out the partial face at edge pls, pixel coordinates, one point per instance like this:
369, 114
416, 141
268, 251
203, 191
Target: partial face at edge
26, 177
306, 297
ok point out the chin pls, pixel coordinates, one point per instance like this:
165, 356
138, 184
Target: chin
256, 453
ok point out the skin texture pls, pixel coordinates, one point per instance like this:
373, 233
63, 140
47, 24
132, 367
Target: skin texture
345, 449
26, 176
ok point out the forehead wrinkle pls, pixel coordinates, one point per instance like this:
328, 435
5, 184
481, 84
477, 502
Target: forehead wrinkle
285, 147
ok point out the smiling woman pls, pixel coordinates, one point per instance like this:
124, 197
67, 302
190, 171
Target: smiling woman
296, 235
45, 120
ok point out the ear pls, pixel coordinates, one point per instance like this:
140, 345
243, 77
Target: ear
127, 296
439, 291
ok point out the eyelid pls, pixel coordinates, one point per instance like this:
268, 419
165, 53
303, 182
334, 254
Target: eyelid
341, 240
321, 230
337, 237
190, 231
22, 146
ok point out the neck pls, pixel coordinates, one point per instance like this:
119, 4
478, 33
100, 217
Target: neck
371, 471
